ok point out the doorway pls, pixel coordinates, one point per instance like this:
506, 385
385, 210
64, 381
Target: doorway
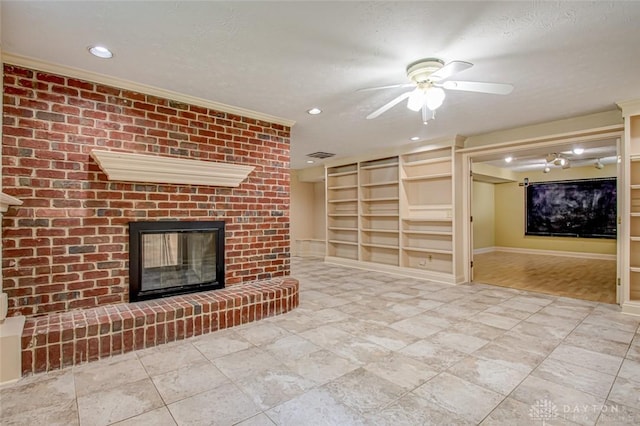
500, 251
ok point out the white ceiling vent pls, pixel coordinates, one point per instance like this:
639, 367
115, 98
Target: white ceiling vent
320, 155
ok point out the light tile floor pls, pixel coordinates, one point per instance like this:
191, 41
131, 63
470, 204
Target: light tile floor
366, 348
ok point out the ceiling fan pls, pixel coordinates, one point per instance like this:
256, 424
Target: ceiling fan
429, 77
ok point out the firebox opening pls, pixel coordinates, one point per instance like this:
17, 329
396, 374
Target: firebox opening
173, 257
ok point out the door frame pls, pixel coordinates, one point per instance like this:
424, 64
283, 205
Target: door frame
468, 154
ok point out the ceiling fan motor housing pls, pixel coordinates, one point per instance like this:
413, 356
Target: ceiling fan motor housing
420, 71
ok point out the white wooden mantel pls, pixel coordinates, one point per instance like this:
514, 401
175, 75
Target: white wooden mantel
6, 201
128, 167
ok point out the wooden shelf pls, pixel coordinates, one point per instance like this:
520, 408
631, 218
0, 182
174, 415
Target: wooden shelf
343, 215
413, 219
373, 200
346, 243
430, 212
386, 231
336, 228
427, 161
352, 172
130, 167
342, 187
428, 232
384, 246
427, 250
379, 166
427, 177
346, 200
387, 183
380, 215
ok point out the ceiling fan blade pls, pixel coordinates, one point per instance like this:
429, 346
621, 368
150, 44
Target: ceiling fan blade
450, 69
388, 105
391, 86
476, 86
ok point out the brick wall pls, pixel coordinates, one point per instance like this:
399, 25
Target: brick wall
66, 246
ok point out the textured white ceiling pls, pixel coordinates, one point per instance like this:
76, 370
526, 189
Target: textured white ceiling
281, 58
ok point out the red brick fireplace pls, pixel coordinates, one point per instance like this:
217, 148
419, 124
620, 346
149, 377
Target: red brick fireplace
65, 249
66, 246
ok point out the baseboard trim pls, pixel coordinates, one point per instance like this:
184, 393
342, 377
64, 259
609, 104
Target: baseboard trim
395, 270
484, 250
574, 254
309, 247
631, 308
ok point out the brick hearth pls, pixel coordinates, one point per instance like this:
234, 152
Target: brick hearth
63, 339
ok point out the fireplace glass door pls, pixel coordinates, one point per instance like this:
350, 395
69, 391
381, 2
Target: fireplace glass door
167, 258
177, 259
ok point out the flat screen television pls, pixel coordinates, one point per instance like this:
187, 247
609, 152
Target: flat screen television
584, 208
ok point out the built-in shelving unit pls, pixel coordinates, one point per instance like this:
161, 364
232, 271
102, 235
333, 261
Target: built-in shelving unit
403, 210
379, 211
630, 297
342, 211
427, 214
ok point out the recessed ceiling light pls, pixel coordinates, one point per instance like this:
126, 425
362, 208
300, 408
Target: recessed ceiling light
310, 161
578, 151
508, 159
100, 52
415, 138
314, 111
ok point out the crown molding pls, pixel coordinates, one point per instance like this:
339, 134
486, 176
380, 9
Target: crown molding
128, 167
37, 64
629, 107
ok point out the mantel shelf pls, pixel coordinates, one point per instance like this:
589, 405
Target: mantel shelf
7, 200
128, 167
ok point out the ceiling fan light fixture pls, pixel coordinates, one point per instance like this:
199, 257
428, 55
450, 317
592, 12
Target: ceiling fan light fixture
420, 71
559, 161
435, 96
416, 99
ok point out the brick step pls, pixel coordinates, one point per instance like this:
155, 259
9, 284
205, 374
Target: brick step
70, 338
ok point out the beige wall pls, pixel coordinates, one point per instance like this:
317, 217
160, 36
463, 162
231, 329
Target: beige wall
319, 216
509, 214
307, 211
301, 211
483, 211
567, 125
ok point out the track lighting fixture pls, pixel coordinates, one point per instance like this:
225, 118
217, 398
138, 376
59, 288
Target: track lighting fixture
598, 164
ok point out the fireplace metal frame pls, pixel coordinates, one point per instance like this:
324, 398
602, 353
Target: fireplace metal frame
138, 229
